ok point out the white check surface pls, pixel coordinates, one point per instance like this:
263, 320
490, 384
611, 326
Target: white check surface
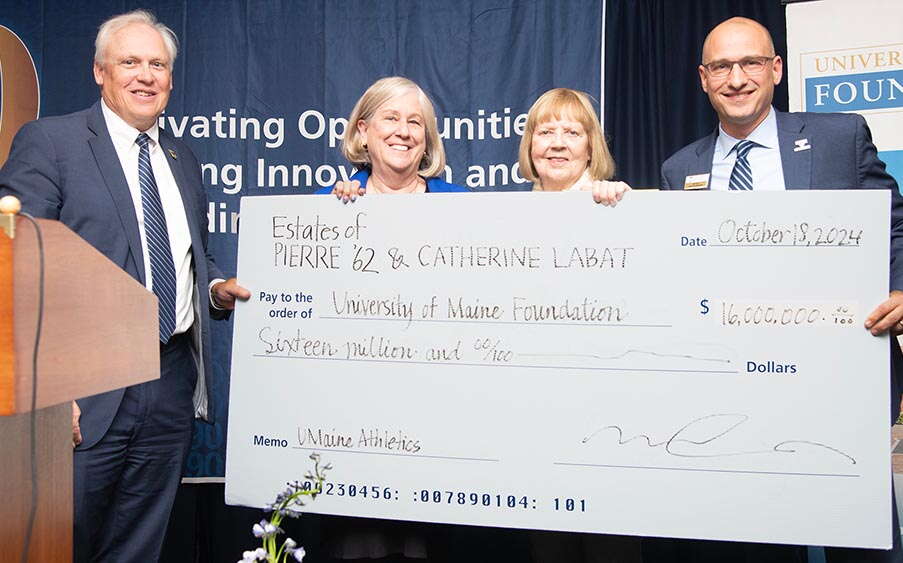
684, 365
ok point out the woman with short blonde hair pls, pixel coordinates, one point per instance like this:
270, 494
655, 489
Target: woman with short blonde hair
354, 145
563, 147
393, 138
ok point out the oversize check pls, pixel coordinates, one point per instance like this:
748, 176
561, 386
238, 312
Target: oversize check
686, 365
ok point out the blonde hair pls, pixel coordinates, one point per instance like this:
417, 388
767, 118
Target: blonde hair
381, 91
111, 26
561, 103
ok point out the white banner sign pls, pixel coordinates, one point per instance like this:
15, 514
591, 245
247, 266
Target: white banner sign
848, 57
685, 365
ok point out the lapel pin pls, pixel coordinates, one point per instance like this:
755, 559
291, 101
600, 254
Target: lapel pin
801, 145
173, 154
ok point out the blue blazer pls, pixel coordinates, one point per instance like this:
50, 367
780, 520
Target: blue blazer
66, 168
433, 185
842, 156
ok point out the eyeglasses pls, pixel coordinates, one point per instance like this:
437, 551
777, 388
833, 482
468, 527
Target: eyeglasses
749, 65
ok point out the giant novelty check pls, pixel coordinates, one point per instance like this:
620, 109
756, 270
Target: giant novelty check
684, 365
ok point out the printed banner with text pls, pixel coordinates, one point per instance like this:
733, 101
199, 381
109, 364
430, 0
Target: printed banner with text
848, 57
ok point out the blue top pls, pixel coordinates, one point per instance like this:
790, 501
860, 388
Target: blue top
433, 185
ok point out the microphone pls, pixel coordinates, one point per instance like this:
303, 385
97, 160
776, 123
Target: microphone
9, 208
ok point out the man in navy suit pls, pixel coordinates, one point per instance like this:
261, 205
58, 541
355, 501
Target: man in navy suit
756, 147
135, 194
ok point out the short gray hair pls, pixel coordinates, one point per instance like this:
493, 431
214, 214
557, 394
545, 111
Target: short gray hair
114, 24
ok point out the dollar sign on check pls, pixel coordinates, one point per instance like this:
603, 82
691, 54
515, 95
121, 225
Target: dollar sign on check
705, 307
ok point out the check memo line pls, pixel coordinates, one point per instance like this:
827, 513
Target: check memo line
347, 451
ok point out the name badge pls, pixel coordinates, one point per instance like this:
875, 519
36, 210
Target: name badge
696, 182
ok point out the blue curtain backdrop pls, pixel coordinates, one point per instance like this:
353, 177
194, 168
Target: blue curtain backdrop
654, 104
262, 90
483, 62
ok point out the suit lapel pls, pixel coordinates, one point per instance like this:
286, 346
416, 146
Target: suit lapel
705, 151
796, 164
111, 169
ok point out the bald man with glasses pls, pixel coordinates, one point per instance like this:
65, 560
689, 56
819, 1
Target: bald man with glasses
756, 147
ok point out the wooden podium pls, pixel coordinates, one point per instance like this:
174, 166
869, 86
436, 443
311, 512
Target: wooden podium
99, 332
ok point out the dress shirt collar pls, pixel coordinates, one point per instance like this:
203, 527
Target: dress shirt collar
765, 135
123, 134
584, 182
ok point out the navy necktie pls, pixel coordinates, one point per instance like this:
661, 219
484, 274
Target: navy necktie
163, 272
741, 176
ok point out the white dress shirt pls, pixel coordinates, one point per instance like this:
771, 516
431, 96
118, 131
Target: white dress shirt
124, 136
764, 160
583, 183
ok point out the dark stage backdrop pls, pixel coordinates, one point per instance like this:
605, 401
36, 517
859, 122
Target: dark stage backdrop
654, 104
262, 89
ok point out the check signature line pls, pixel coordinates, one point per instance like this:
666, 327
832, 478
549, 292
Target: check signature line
628, 352
456, 458
698, 469
783, 447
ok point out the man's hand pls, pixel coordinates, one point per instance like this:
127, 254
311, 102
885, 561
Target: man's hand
226, 292
609, 193
76, 429
348, 190
888, 316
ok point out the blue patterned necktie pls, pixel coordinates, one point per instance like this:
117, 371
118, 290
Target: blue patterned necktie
741, 176
163, 272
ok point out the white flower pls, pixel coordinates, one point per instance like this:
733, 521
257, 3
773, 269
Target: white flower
263, 529
259, 554
299, 554
290, 544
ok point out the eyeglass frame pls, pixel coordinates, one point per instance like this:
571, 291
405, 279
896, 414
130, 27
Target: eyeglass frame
764, 59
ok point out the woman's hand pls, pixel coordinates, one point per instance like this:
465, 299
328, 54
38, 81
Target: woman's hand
609, 193
348, 190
